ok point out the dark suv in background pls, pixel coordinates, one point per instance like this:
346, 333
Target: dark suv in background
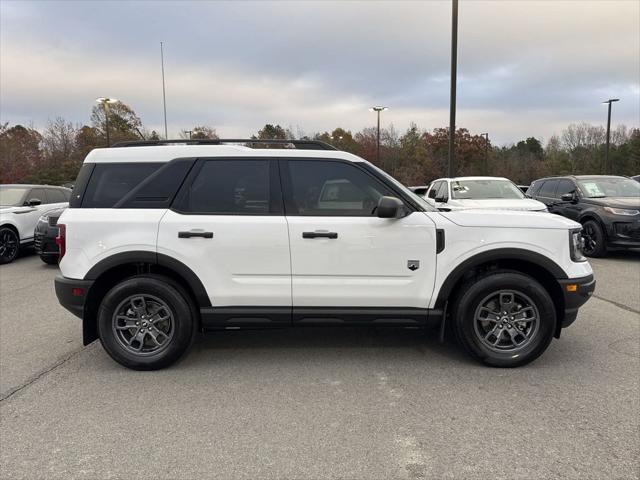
608, 207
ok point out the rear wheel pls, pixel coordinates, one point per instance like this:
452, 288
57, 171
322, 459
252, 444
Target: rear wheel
146, 322
594, 239
9, 245
504, 319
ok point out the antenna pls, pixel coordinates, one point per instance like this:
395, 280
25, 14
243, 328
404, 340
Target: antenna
164, 97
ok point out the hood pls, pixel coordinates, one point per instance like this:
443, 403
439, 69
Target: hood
615, 202
499, 204
509, 219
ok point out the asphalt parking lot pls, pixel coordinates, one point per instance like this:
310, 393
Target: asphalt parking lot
319, 403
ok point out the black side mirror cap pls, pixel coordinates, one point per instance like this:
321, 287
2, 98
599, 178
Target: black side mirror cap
34, 202
568, 197
441, 199
390, 207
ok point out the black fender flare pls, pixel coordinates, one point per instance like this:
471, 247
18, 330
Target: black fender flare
153, 258
517, 254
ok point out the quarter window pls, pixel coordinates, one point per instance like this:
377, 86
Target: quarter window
328, 188
239, 187
110, 182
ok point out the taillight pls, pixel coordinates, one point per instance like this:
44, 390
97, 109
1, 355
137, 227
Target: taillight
61, 240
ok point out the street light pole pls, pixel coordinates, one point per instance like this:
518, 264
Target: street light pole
105, 101
607, 165
451, 167
486, 153
378, 109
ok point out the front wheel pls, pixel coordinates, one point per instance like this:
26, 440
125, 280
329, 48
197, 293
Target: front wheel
9, 245
146, 322
594, 239
504, 319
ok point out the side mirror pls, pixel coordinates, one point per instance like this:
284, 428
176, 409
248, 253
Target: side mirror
389, 207
441, 199
34, 202
568, 197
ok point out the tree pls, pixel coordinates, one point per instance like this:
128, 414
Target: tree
200, 133
272, 132
19, 152
124, 124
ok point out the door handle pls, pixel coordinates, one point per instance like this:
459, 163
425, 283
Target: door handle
332, 235
195, 234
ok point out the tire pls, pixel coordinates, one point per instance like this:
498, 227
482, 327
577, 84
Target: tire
9, 245
49, 259
519, 341
131, 332
595, 241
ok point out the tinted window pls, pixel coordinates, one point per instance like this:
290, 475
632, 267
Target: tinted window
229, 187
38, 193
158, 190
110, 182
434, 190
333, 189
565, 186
55, 195
67, 194
548, 188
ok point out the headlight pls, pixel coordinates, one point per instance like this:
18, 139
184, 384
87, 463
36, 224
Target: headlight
576, 243
622, 211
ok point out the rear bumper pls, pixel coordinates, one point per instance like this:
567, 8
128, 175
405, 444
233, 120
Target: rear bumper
72, 294
576, 292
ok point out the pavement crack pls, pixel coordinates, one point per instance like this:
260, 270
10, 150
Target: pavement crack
619, 305
39, 375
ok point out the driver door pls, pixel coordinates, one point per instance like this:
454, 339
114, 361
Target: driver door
348, 265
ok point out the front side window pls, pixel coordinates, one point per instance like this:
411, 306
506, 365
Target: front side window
609, 187
443, 191
484, 189
55, 195
434, 189
328, 188
229, 187
38, 194
564, 187
548, 188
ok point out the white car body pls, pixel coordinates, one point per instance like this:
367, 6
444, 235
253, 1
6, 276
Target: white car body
304, 266
23, 218
451, 203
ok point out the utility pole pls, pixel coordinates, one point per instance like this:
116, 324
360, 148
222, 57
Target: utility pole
164, 97
607, 165
189, 132
378, 109
451, 167
485, 167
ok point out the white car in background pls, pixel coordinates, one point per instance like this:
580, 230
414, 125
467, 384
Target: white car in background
20, 208
492, 193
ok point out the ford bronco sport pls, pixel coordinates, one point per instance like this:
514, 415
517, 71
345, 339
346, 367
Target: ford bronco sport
165, 239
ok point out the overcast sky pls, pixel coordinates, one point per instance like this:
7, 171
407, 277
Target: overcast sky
524, 67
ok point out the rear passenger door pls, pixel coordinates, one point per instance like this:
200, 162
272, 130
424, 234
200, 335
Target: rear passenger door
227, 225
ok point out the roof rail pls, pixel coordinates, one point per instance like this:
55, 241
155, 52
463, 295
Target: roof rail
299, 144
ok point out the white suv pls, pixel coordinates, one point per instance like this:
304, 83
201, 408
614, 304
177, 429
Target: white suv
166, 239
493, 193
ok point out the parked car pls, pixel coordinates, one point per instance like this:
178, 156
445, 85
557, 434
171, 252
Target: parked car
45, 236
636, 178
495, 193
162, 241
523, 188
20, 208
608, 207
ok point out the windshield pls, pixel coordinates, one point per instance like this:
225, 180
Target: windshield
11, 196
484, 189
609, 187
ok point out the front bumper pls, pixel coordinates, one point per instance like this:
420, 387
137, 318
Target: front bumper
623, 233
72, 294
576, 292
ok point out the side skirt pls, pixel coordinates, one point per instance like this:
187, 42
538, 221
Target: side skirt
279, 317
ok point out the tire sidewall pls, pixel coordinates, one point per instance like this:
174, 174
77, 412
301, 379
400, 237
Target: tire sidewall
601, 248
183, 317
470, 300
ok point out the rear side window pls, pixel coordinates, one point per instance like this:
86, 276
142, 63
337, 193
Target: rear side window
229, 187
548, 188
110, 182
56, 196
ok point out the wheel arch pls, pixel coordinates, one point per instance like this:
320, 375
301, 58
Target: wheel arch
536, 265
12, 227
111, 270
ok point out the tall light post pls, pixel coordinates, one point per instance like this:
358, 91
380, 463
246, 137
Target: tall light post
607, 165
486, 152
105, 101
451, 166
378, 109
